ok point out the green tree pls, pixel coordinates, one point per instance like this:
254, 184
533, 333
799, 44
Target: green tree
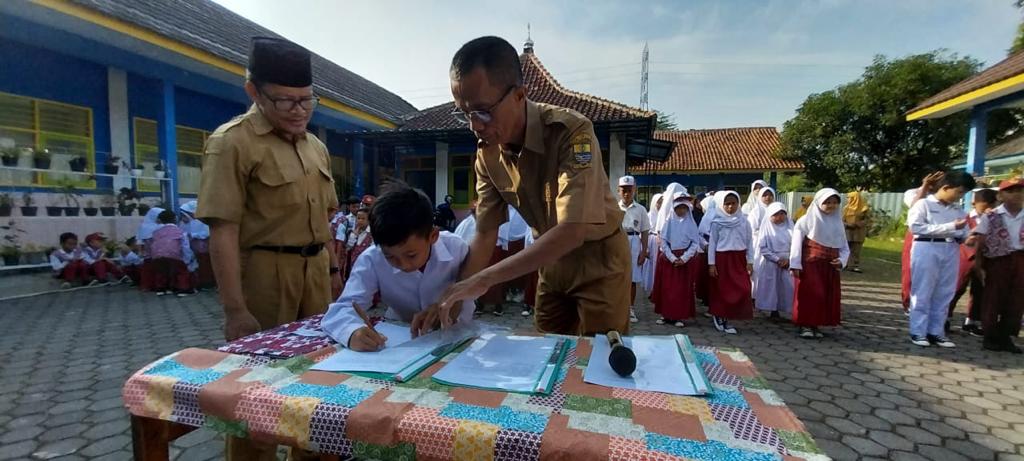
666, 122
856, 135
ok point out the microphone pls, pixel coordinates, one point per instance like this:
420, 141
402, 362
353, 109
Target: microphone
622, 359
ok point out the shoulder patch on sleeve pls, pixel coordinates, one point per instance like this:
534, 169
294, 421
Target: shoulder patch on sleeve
581, 150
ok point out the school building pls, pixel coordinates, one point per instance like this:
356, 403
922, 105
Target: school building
111, 86
716, 159
1000, 86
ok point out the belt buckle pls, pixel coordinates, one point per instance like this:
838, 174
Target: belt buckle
310, 250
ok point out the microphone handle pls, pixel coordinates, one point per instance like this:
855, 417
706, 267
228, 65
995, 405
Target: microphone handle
614, 339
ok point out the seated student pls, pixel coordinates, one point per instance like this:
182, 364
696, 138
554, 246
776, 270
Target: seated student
171, 256
94, 254
411, 264
199, 240
673, 283
145, 236
131, 262
68, 261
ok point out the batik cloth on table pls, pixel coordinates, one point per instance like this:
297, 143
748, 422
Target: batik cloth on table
282, 401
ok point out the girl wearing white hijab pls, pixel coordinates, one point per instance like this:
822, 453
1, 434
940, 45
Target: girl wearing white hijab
730, 262
818, 253
773, 284
765, 196
704, 228
755, 188
144, 236
647, 271
199, 240
673, 286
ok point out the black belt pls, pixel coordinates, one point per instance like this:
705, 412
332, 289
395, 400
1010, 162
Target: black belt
935, 239
632, 233
307, 251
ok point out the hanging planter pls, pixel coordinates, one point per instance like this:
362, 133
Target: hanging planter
137, 172
54, 211
143, 209
90, 209
78, 163
9, 156
41, 159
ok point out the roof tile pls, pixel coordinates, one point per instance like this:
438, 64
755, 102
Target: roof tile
722, 150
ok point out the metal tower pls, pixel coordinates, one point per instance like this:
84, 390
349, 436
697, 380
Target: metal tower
643, 79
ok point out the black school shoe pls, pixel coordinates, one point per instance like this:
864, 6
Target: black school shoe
973, 329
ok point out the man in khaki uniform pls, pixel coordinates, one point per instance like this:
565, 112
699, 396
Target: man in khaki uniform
266, 192
546, 162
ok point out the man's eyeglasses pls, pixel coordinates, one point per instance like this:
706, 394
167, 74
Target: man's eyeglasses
484, 116
289, 104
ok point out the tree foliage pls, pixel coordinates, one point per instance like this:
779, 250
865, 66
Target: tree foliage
666, 122
857, 135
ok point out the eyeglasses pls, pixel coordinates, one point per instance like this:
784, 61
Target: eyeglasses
289, 104
483, 116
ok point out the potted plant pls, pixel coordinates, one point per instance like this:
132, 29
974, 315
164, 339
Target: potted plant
6, 204
28, 207
137, 172
90, 208
110, 247
53, 210
113, 165
159, 169
127, 201
10, 249
78, 163
108, 205
41, 159
9, 156
67, 190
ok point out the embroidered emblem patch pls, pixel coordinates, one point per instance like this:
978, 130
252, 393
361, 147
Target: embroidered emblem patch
581, 151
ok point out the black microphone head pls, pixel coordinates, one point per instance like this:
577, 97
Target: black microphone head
622, 360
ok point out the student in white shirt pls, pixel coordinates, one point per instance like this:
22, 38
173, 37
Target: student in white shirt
467, 227
1001, 260
730, 263
939, 225
637, 225
673, 295
410, 265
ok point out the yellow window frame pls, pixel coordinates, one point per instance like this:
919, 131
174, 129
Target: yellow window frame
144, 153
41, 137
472, 178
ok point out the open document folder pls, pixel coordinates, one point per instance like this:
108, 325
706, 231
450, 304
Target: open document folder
525, 364
401, 358
663, 364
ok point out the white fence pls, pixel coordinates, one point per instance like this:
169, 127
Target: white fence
890, 202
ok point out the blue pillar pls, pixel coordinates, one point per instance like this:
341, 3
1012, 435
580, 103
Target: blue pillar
357, 166
721, 182
773, 180
977, 141
168, 140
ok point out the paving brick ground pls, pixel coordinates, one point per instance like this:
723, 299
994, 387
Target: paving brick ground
864, 392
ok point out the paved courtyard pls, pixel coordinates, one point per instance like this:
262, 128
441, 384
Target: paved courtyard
864, 392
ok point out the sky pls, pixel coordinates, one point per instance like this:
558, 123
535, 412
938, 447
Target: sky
713, 64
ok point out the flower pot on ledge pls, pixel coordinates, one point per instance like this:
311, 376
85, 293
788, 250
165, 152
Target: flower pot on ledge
54, 211
107, 211
29, 210
71, 211
91, 211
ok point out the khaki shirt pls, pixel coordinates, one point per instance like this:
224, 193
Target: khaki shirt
558, 177
279, 192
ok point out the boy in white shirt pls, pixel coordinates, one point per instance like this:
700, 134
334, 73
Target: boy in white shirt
939, 225
1001, 260
411, 264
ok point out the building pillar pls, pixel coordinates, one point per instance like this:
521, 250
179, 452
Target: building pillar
321, 133
616, 161
374, 168
773, 180
440, 171
977, 141
168, 144
357, 166
120, 126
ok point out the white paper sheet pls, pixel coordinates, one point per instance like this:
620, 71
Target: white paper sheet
394, 358
659, 367
501, 362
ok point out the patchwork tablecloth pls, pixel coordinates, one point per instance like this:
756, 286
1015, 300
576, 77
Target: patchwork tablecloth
284, 402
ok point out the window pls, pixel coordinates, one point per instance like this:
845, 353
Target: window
190, 155
461, 179
418, 172
63, 129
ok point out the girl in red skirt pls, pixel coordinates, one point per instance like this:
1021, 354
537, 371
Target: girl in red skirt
673, 282
818, 254
730, 263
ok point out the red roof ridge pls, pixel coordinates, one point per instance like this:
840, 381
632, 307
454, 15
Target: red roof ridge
533, 59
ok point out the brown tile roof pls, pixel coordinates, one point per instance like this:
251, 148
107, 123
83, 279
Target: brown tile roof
1010, 67
724, 149
541, 87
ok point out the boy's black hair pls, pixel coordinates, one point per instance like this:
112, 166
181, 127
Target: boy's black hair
364, 210
130, 241
399, 213
986, 196
496, 56
67, 236
166, 217
958, 179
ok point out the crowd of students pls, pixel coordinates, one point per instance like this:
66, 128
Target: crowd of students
169, 255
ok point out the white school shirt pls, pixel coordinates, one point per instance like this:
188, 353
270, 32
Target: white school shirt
131, 259
405, 293
1012, 223
635, 218
673, 237
467, 228
731, 239
60, 258
513, 230
930, 218
90, 256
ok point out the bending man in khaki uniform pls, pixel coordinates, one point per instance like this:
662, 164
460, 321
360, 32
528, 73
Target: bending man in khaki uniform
546, 162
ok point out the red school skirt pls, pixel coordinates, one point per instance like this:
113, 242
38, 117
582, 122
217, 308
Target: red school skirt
673, 288
817, 299
731, 291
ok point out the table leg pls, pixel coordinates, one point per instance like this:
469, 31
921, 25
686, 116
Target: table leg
151, 438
